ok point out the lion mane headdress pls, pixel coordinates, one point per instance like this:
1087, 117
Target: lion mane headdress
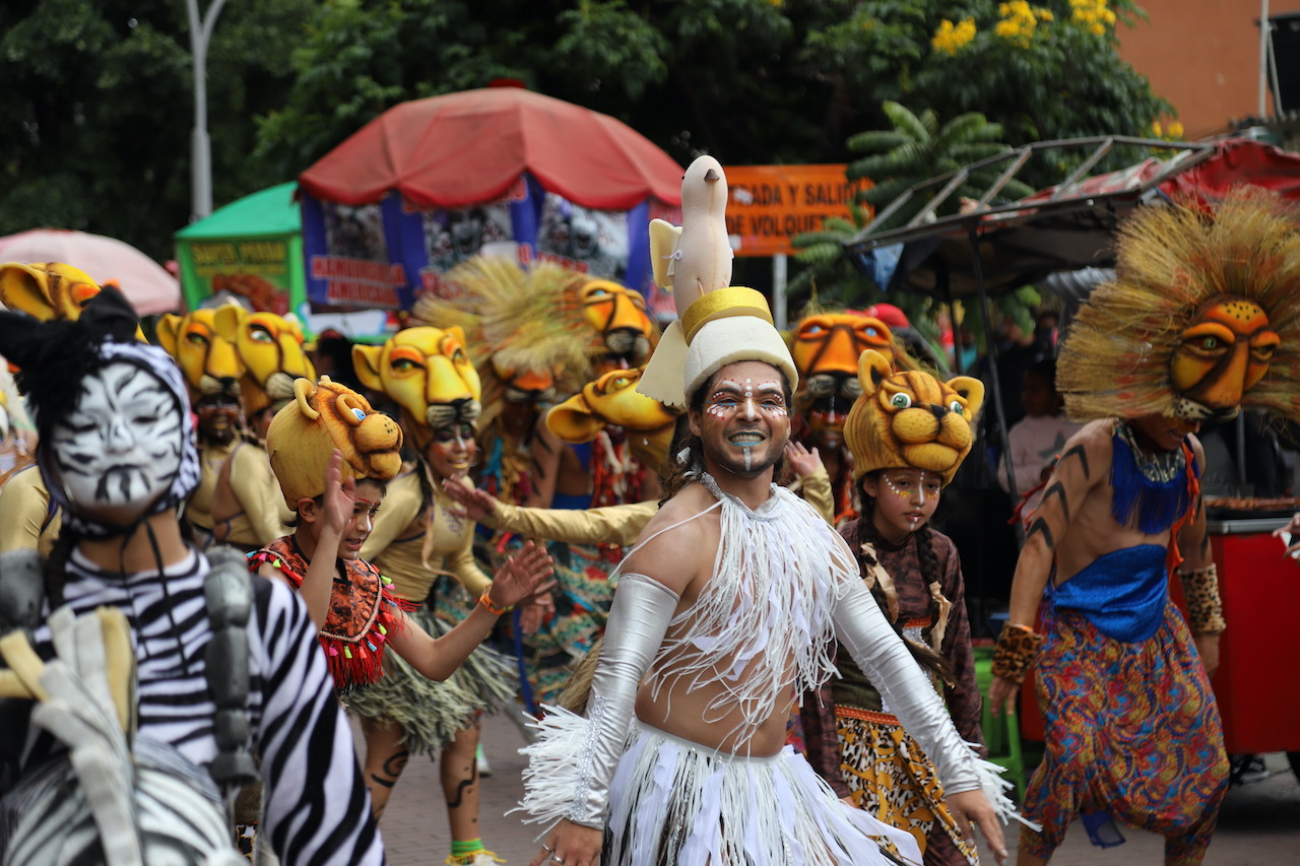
521, 326
1202, 317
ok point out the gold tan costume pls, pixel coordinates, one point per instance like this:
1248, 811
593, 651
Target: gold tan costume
422, 546
247, 509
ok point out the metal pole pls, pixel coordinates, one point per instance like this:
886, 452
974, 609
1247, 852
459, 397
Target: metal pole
994, 385
779, 270
200, 144
1263, 54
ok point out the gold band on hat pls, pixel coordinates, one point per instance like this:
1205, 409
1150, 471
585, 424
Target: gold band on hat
723, 303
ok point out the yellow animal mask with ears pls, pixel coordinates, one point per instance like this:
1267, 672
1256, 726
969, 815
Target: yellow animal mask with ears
619, 318
46, 291
427, 372
613, 400
911, 419
207, 359
270, 348
323, 417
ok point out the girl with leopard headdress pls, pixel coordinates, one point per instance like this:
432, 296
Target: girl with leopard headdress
908, 433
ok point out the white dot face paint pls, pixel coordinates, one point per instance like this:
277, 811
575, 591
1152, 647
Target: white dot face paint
745, 418
905, 499
121, 447
452, 450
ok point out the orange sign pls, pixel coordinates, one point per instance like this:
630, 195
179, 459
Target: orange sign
770, 204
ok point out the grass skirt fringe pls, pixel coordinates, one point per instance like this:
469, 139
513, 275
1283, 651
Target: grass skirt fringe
432, 713
673, 801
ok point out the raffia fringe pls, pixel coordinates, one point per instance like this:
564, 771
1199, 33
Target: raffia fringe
553, 773
995, 788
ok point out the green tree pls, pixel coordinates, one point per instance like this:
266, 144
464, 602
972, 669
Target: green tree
98, 103
99, 106
916, 149
1045, 71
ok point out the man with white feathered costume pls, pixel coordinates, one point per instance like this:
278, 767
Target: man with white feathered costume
725, 611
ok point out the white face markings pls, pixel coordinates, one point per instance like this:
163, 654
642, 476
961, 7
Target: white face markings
905, 488
746, 399
122, 444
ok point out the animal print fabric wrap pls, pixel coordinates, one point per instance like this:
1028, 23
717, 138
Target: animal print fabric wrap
1132, 729
1015, 652
889, 776
1204, 607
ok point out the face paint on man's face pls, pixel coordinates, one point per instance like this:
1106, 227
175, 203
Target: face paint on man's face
745, 422
120, 449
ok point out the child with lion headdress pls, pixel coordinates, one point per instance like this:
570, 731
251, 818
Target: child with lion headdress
908, 433
334, 457
1202, 317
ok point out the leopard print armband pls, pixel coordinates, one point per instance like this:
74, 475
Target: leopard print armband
1015, 652
1204, 609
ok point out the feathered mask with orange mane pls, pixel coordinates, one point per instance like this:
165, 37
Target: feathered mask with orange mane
1202, 317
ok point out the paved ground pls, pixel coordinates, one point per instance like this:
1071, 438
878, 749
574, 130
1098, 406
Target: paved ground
1259, 825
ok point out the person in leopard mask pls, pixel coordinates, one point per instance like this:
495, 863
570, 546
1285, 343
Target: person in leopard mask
908, 433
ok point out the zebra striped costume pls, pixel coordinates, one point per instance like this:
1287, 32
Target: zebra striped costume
317, 806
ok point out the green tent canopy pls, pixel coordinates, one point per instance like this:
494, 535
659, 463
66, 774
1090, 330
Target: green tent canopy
252, 247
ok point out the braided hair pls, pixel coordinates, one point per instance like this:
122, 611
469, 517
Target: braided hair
927, 559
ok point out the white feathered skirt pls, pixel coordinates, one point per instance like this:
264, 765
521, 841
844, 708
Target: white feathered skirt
676, 803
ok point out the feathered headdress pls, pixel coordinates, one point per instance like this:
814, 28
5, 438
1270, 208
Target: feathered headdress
1203, 315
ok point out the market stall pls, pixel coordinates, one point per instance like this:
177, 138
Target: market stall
433, 182
251, 249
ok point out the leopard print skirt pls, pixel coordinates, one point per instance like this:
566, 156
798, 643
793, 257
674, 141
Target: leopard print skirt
891, 778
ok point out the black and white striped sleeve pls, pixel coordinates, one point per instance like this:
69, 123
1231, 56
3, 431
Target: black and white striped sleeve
317, 808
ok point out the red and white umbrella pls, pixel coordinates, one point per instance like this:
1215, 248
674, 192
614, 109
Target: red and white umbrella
146, 284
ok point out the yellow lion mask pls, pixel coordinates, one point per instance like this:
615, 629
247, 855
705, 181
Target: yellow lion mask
270, 348
619, 318
46, 291
826, 348
208, 360
909, 419
425, 371
323, 417
614, 400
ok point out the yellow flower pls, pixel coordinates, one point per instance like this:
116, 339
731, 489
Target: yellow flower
1175, 130
951, 38
1157, 129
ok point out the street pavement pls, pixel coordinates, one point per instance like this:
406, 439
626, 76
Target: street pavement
1259, 824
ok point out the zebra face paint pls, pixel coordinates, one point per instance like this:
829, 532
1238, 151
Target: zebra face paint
744, 422
905, 499
120, 448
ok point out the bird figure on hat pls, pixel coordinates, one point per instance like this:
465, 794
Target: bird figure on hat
694, 258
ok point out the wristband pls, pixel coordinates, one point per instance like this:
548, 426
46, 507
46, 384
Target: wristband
1016, 649
1204, 609
491, 606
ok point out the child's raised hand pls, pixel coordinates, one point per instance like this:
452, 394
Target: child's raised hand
524, 574
340, 494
